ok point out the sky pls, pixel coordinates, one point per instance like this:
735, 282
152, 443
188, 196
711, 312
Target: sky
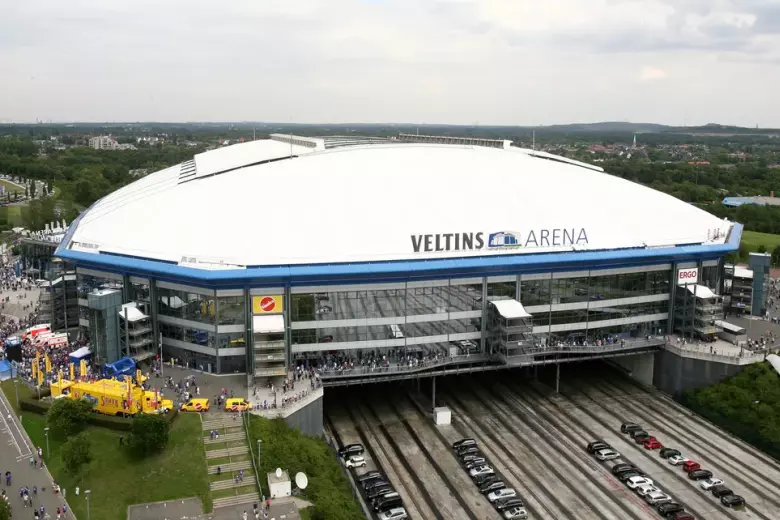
484, 62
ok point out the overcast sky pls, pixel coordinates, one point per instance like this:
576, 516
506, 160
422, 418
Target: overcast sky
513, 62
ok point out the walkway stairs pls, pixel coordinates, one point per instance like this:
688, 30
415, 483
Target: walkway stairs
232, 448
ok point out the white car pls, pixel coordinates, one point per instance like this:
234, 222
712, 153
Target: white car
502, 493
706, 484
397, 513
635, 482
677, 460
657, 497
607, 455
481, 470
647, 489
515, 512
355, 461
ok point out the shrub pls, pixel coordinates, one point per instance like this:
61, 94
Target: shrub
67, 417
149, 434
5, 510
76, 452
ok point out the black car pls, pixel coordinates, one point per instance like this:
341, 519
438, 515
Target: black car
463, 442
669, 508
378, 492
629, 427
640, 439
371, 475
373, 484
732, 501
622, 468
623, 477
351, 449
388, 501
508, 503
669, 452
700, 474
467, 450
720, 491
483, 480
595, 446
634, 433
479, 461
468, 458
493, 486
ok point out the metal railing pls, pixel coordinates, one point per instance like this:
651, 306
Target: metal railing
703, 352
245, 421
289, 403
394, 368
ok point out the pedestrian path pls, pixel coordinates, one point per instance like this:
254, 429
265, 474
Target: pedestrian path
231, 475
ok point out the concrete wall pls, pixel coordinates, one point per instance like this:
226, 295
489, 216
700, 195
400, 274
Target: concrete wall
308, 419
639, 366
673, 373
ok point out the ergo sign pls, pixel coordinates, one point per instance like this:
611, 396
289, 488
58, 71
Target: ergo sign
686, 276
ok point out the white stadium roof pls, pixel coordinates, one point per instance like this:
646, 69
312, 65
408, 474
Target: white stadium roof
252, 204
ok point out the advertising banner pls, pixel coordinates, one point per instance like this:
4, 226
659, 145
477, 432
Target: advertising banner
267, 304
688, 276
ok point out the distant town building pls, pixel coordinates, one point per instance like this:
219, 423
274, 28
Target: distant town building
103, 142
735, 202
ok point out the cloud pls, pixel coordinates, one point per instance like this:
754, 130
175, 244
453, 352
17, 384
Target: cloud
651, 73
447, 61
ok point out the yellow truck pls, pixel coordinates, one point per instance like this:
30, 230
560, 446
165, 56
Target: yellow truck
111, 397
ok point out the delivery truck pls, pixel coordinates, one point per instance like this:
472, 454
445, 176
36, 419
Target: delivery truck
112, 397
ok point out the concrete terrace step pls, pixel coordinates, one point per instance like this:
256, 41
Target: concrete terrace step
227, 452
234, 501
216, 424
230, 483
233, 466
238, 436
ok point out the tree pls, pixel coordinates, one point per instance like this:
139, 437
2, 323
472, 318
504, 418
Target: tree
32, 188
27, 192
49, 186
76, 452
5, 510
776, 255
148, 435
762, 248
67, 417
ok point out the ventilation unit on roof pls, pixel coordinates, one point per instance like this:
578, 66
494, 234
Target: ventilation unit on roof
445, 139
337, 141
188, 170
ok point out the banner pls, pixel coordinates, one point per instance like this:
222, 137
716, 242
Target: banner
83, 368
267, 304
48, 364
73, 371
40, 378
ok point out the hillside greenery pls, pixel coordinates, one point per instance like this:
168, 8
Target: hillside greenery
747, 405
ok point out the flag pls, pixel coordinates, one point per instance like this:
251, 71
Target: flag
72, 371
138, 379
40, 378
83, 368
129, 381
34, 369
48, 363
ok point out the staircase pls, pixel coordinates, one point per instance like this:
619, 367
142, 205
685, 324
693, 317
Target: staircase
231, 476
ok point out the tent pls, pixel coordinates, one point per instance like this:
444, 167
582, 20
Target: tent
78, 355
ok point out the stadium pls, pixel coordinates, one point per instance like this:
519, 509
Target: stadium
407, 254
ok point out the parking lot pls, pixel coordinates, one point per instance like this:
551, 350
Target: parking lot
535, 442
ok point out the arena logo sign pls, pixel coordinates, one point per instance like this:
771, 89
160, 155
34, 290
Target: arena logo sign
443, 242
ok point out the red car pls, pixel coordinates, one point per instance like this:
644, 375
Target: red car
690, 466
652, 444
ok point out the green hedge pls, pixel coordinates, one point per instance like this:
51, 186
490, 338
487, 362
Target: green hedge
111, 422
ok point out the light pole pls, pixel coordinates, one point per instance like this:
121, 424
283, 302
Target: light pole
46, 433
86, 495
16, 389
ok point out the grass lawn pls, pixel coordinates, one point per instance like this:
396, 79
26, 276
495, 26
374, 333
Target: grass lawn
753, 240
13, 214
118, 481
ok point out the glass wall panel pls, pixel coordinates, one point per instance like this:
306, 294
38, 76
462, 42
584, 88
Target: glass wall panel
569, 290
466, 297
501, 290
627, 311
535, 292
427, 300
230, 340
186, 305
710, 276
190, 359
232, 309
189, 335
88, 284
139, 293
232, 364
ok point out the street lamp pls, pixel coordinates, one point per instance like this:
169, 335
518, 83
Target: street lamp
86, 495
16, 388
46, 433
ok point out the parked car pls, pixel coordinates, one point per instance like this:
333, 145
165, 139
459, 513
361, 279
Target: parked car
657, 497
670, 508
622, 467
351, 449
378, 492
629, 427
699, 474
690, 465
595, 446
603, 455
640, 439
399, 513
635, 433
369, 476
669, 452
492, 486
356, 461
645, 490
388, 501
508, 503
652, 444
468, 458
463, 442
501, 493
623, 477
732, 501
467, 450
682, 515
635, 482
483, 480
709, 483
515, 512
373, 484
677, 460
479, 461
720, 491
481, 470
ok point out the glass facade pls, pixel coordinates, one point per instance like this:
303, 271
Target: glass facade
190, 306
231, 309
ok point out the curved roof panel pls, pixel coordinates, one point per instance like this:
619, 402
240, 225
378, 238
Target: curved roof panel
378, 203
